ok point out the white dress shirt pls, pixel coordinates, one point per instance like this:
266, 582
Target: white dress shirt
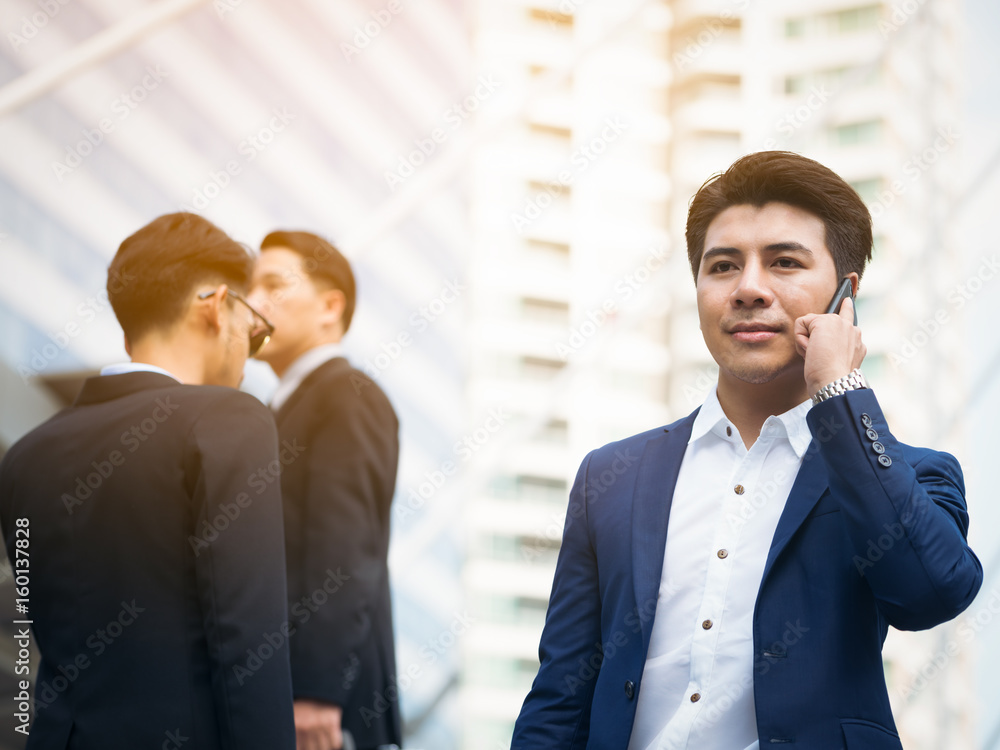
120, 368
697, 686
300, 369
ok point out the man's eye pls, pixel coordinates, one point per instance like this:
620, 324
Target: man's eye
722, 267
788, 263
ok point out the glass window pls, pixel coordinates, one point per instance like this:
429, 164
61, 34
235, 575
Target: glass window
795, 28
858, 133
856, 19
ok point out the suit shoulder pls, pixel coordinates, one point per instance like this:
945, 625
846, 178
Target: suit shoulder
636, 443
212, 395
203, 405
349, 384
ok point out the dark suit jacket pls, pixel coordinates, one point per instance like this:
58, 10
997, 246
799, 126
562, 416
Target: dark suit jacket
864, 542
337, 492
156, 585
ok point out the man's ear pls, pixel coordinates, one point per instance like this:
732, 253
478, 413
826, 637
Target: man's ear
209, 310
855, 282
334, 304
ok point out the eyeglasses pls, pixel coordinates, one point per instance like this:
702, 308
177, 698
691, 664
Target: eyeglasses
259, 335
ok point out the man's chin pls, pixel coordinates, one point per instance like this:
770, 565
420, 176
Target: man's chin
762, 373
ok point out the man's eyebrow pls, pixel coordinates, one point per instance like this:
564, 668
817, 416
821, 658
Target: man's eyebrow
774, 247
709, 254
270, 275
778, 247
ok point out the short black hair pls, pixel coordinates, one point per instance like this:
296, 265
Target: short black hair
152, 275
786, 177
322, 261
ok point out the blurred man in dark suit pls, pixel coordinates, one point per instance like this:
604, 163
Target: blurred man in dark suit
336, 496
157, 590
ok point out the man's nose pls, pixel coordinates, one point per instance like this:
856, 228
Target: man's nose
753, 289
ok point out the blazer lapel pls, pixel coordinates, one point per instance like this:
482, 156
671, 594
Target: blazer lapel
654, 491
809, 485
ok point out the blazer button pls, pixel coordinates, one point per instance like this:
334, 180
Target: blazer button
629, 689
866, 420
878, 447
885, 460
872, 435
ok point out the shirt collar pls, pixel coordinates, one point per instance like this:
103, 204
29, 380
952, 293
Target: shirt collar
121, 368
711, 419
301, 368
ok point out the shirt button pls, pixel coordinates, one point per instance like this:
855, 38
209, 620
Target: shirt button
723, 554
707, 625
739, 489
729, 431
695, 697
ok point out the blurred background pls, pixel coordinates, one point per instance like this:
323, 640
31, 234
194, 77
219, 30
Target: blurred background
510, 180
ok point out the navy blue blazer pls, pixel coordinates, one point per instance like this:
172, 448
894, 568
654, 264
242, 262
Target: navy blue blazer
873, 534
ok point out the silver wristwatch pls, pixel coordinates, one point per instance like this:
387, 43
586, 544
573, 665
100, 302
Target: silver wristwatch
855, 381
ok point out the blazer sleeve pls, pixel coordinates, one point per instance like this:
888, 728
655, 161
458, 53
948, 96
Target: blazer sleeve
556, 712
905, 513
238, 544
351, 471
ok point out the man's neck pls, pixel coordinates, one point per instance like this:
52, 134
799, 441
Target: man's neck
748, 405
184, 363
281, 365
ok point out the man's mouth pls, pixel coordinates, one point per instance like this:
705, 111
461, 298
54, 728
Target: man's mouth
753, 333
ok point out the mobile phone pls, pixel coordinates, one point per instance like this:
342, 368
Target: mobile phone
845, 290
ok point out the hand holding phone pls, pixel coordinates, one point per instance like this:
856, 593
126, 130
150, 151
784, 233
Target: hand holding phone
845, 290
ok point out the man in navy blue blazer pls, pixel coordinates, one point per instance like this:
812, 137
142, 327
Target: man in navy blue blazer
727, 582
